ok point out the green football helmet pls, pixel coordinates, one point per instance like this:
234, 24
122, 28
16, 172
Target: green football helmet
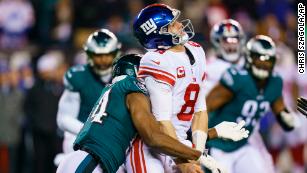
261, 56
101, 42
127, 65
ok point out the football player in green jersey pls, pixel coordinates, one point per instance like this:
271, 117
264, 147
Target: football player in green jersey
83, 84
122, 111
302, 105
248, 94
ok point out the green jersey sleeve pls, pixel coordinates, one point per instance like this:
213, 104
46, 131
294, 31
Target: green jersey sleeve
136, 85
278, 86
73, 78
230, 79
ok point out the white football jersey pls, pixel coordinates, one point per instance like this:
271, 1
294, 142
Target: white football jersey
215, 68
185, 80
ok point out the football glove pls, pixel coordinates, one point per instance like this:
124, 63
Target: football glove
231, 130
302, 105
211, 164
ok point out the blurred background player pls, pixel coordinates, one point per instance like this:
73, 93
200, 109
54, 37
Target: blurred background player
174, 72
84, 83
248, 94
228, 39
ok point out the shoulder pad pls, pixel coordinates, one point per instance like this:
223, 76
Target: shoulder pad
72, 77
141, 85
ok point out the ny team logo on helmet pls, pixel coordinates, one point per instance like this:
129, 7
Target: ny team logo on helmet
261, 48
228, 39
151, 27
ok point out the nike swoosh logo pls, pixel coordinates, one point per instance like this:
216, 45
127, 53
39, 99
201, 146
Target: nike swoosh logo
156, 62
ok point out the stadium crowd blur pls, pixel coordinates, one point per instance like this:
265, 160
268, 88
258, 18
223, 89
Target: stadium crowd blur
40, 39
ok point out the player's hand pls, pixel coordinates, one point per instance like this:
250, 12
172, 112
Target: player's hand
211, 164
189, 168
231, 130
302, 105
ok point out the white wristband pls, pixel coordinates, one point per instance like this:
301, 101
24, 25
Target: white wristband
199, 139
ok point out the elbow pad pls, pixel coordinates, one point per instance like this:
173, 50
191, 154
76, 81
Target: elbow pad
286, 120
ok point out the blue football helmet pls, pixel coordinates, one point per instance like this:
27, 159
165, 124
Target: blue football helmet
261, 56
228, 39
151, 27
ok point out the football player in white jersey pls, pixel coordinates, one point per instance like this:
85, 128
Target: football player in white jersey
174, 72
228, 39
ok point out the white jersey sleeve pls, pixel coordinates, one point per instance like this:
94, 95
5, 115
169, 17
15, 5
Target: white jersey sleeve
69, 106
159, 80
201, 100
161, 99
153, 65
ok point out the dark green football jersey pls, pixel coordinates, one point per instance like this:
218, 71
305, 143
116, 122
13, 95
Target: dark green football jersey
249, 103
109, 129
83, 80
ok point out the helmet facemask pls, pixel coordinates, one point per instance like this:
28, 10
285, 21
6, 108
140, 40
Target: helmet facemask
261, 56
105, 70
184, 34
261, 65
228, 39
102, 44
230, 49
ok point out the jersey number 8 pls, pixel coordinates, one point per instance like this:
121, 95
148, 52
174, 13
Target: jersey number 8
190, 98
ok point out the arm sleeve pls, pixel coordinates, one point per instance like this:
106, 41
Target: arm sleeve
279, 87
71, 81
229, 79
201, 100
161, 99
69, 106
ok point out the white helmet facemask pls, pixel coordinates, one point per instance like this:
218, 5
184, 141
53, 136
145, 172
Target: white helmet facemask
260, 73
230, 49
187, 29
